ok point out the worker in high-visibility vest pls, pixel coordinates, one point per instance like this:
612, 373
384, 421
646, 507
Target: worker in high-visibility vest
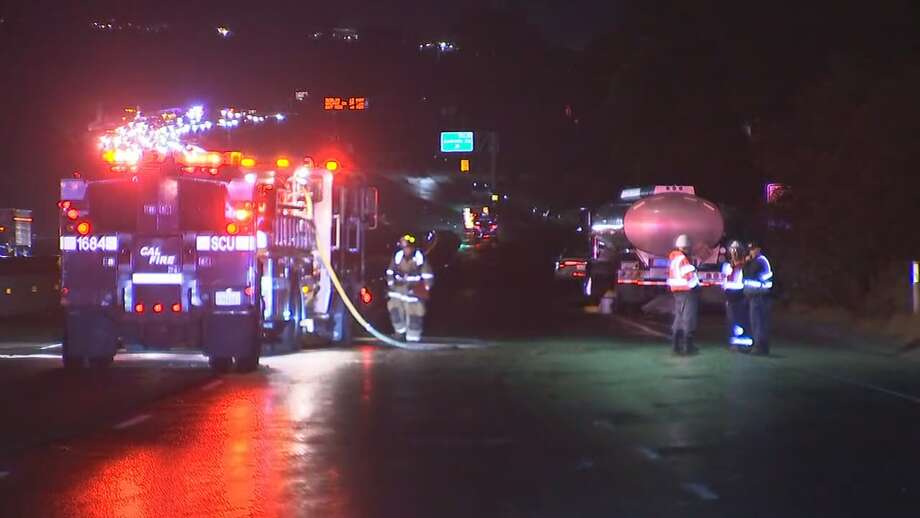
736, 307
409, 279
758, 284
685, 286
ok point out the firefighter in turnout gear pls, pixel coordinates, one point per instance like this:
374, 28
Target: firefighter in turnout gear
685, 285
758, 283
736, 307
409, 279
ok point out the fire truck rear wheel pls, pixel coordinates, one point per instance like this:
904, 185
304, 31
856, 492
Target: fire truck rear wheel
220, 365
72, 362
102, 362
247, 364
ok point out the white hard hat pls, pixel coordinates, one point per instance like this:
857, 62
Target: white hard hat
682, 241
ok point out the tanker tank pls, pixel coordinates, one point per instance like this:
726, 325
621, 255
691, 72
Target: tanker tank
653, 223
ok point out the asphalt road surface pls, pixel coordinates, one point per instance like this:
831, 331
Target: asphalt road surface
579, 415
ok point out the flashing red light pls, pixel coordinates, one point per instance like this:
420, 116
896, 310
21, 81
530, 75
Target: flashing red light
242, 214
65, 291
73, 214
366, 296
248, 291
65, 204
158, 308
570, 262
138, 308
176, 308
233, 229
578, 274
84, 228
188, 169
332, 165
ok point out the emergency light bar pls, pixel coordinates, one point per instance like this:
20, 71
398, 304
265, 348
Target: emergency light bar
635, 193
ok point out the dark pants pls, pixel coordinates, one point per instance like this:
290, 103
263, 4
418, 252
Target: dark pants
686, 304
737, 319
760, 322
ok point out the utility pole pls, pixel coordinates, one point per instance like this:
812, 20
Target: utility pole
493, 158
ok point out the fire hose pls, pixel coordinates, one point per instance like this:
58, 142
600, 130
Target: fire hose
354, 311
327, 264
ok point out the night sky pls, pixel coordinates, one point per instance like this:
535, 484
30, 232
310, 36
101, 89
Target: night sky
662, 90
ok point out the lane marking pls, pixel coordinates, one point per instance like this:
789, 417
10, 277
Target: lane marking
867, 386
701, 491
131, 422
642, 327
604, 424
52, 346
27, 356
213, 385
649, 453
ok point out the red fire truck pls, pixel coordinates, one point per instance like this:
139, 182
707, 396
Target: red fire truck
210, 250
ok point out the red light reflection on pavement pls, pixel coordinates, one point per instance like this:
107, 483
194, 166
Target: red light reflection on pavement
269, 444
227, 461
367, 363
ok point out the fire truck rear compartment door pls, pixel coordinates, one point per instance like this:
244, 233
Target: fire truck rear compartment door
157, 276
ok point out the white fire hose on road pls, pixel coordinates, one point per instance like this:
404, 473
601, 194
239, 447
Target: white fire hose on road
357, 315
354, 311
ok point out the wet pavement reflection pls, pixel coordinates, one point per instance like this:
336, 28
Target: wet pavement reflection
245, 447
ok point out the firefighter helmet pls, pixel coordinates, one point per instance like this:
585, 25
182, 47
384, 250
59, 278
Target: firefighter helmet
407, 240
682, 241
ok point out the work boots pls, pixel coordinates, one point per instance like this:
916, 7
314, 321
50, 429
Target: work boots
676, 342
761, 349
689, 348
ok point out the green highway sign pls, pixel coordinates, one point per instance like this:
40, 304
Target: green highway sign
456, 142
